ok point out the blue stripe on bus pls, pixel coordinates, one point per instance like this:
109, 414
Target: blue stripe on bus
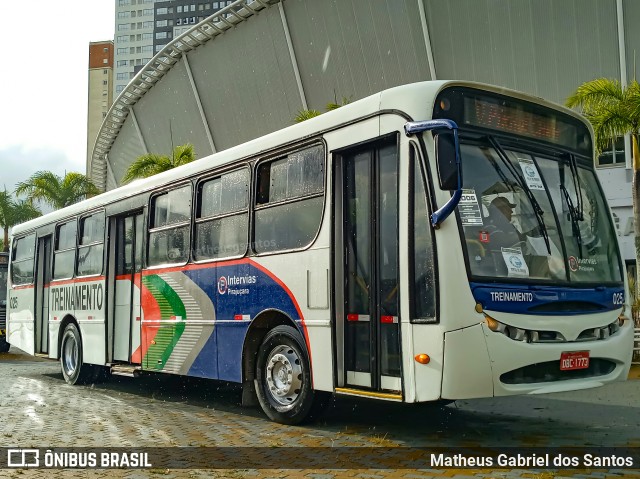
237, 291
547, 300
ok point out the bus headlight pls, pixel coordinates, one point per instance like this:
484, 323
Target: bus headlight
512, 332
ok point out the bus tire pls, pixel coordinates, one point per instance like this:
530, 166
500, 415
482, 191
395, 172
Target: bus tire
4, 346
283, 377
73, 370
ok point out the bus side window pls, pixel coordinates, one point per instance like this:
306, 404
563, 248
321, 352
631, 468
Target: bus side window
289, 200
222, 217
423, 280
22, 260
64, 256
90, 247
170, 227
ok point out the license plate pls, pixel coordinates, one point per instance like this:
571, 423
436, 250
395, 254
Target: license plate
574, 360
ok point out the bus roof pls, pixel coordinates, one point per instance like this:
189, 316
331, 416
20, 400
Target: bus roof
399, 99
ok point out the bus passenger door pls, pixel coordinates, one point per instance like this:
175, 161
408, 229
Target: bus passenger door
43, 278
367, 330
126, 304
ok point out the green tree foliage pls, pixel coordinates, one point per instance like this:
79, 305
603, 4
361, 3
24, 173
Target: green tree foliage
55, 190
332, 105
304, 115
151, 164
614, 111
13, 212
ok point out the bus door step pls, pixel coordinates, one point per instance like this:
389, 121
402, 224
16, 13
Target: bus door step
369, 394
126, 370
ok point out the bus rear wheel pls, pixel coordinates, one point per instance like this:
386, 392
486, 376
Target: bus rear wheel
284, 377
73, 369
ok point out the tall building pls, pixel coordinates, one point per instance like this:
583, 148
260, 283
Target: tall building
134, 25
174, 17
100, 90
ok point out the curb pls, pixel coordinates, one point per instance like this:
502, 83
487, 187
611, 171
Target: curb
634, 373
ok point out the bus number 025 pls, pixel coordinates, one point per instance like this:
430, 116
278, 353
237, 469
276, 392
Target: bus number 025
618, 298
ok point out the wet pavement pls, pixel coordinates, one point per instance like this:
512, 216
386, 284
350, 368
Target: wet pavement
41, 411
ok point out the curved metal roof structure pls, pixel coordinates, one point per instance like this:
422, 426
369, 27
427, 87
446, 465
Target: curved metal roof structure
248, 69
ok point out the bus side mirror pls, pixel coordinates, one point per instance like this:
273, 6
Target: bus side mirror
447, 159
448, 165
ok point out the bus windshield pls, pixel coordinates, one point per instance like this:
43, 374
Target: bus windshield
527, 216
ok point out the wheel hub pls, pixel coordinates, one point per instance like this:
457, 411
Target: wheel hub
284, 375
70, 355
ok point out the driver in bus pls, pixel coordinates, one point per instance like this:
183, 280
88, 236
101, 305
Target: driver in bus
502, 231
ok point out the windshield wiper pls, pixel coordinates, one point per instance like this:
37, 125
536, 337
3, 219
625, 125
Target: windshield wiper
573, 166
523, 184
575, 212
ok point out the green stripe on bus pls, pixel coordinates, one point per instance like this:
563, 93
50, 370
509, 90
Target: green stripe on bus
167, 336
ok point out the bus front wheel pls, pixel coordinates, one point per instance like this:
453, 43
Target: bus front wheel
73, 369
284, 377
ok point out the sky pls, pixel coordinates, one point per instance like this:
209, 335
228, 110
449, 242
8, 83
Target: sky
43, 84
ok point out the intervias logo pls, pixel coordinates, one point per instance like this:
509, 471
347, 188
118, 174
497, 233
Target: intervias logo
226, 284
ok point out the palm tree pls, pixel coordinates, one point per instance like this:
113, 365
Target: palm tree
13, 212
332, 105
614, 111
151, 164
57, 191
304, 115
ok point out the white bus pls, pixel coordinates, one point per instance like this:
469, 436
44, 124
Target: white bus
4, 268
435, 241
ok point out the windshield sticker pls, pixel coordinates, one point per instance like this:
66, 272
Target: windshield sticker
531, 175
514, 260
469, 209
583, 264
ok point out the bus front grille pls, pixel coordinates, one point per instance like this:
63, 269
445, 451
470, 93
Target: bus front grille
3, 318
550, 371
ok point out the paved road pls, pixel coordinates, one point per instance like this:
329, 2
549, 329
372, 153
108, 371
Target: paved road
40, 410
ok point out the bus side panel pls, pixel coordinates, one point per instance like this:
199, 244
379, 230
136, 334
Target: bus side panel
195, 319
89, 313
304, 277
426, 339
84, 301
178, 323
467, 368
20, 320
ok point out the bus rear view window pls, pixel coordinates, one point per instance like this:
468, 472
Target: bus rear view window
289, 200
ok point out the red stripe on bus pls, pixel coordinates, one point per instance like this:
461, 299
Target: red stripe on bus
136, 356
190, 267
352, 317
24, 286
152, 312
75, 280
386, 319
